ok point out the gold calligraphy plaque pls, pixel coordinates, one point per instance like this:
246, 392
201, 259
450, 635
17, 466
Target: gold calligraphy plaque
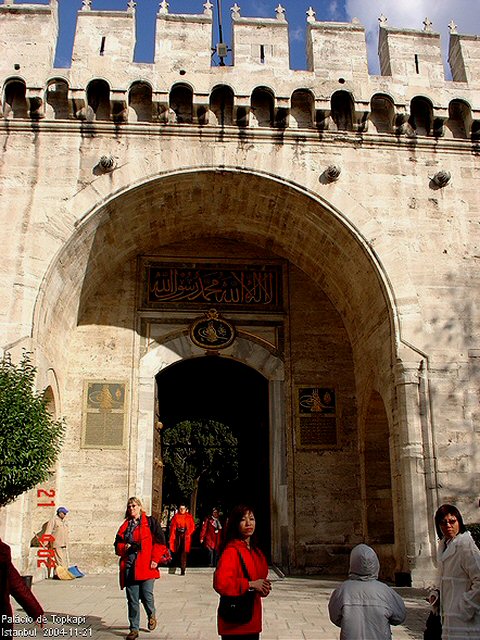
104, 414
220, 285
316, 417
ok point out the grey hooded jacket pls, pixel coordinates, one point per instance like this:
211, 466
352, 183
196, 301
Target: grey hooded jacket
363, 607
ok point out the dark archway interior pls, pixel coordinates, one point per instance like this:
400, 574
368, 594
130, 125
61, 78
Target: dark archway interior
225, 390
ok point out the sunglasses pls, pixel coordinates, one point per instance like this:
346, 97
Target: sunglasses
452, 521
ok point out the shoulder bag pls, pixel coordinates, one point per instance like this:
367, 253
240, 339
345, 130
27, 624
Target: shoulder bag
159, 538
433, 627
238, 609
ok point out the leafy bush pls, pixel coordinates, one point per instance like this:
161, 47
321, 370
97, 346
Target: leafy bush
30, 439
197, 452
475, 531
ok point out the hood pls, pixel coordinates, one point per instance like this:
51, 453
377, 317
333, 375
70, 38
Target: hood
364, 564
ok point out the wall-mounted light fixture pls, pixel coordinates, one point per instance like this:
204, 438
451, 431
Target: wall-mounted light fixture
441, 178
107, 163
332, 172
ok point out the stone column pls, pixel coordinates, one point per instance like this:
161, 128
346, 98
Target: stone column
278, 474
415, 546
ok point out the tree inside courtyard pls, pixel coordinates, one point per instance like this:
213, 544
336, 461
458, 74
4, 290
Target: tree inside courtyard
30, 439
198, 454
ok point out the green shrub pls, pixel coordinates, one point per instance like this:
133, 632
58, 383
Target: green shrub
30, 439
475, 531
198, 453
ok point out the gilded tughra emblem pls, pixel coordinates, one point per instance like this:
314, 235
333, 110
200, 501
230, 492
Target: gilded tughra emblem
211, 331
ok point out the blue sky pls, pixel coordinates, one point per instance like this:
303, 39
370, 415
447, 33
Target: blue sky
406, 13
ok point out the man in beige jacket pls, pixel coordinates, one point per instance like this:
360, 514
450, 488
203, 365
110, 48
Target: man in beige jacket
58, 528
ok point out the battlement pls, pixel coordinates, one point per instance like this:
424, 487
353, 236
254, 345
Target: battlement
337, 50
411, 96
260, 43
464, 58
28, 36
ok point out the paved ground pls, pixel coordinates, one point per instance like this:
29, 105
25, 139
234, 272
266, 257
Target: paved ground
186, 607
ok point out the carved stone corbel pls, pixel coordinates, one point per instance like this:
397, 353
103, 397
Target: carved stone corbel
119, 106
36, 105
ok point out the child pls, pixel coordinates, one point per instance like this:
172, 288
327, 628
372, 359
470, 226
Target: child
362, 606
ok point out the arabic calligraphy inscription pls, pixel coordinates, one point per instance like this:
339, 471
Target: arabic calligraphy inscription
224, 285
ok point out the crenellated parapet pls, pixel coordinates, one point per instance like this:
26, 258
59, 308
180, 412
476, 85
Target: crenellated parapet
411, 97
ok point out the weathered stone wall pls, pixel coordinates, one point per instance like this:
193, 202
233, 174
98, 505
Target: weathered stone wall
320, 352
382, 260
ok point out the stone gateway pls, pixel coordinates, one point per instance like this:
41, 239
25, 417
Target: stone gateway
327, 220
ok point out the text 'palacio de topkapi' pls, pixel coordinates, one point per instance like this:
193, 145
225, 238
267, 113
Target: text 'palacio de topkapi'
297, 251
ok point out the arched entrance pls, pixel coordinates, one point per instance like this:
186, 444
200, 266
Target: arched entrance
221, 389
338, 330
261, 374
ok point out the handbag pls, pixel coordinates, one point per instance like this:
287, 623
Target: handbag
238, 609
159, 538
433, 627
166, 556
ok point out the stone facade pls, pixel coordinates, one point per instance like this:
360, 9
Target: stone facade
364, 192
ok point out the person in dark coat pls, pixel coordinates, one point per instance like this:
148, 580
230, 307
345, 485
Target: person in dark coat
140, 543
12, 584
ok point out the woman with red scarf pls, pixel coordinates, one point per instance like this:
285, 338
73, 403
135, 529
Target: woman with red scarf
140, 543
241, 556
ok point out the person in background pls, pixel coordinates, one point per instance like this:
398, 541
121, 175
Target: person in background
363, 607
12, 583
58, 529
140, 544
211, 536
182, 527
458, 580
241, 555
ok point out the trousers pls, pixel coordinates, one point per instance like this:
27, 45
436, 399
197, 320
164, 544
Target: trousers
139, 591
212, 557
181, 551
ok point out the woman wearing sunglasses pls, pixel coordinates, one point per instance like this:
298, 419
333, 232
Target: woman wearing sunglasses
140, 543
458, 586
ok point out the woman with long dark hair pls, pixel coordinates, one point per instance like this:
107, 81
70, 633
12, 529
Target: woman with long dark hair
458, 584
242, 567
